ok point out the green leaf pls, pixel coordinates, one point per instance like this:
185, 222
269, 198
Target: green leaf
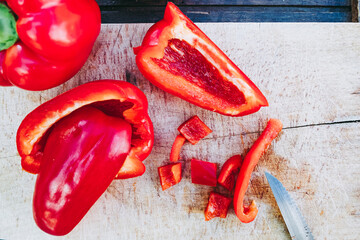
8, 34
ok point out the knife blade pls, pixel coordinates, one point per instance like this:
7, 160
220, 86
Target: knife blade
293, 218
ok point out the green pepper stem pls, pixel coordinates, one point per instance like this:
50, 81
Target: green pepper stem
8, 34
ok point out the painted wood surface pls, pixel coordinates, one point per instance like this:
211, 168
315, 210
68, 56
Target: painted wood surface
333, 3
145, 11
311, 77
133, 14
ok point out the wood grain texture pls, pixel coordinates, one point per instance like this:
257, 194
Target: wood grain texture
355, 6
311, 77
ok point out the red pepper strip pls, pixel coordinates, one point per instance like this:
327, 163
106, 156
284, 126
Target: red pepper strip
218, 206
248, 214
194, 130
169, 175
55, 39
176, 147
83, 153
114, 98
229, 171
179, 58
203, 173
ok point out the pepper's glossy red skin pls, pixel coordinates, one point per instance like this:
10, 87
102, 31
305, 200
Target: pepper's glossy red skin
203, 172
194, 130
56, 38
3, 82
248, 214
83, 153
115, 98
176, 148
218, 206
229, 171
179, 58
169, 175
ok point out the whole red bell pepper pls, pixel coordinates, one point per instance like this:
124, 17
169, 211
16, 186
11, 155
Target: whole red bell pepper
248, 214
179, 58
115, 98
78, 142
55, 39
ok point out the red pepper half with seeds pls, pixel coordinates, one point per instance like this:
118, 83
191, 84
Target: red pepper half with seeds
179, 58
49, 42
78, 143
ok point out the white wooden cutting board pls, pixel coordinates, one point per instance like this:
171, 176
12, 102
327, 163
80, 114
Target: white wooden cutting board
310, 74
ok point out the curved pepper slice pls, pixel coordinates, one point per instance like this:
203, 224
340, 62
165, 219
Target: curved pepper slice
176, 148
114, 98
248, 214
56, 38
228, 172
83, 153
179, 58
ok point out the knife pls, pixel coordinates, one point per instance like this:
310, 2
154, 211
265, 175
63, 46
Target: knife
294, 221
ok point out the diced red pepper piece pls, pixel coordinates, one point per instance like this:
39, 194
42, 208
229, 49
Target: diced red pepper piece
169, 175
176, 147
248, 214
194, 130
203, 172
229, 171
218, 206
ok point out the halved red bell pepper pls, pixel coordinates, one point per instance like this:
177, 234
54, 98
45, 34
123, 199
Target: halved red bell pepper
248, 214
56, 38
229, 171
77, 143
170, 175
203, 172
218, 206
179, 58
82, 154
194, 130
114, 98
